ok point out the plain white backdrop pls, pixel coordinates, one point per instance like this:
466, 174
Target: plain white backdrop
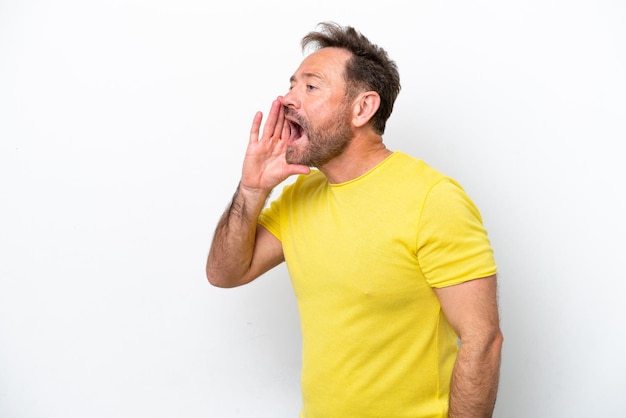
122, 130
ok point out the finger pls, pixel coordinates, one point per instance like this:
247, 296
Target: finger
256, 126
272, 120
280, 123
273, 140
276, 144
286, 133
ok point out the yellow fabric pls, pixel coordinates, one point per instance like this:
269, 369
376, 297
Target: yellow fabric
363, 257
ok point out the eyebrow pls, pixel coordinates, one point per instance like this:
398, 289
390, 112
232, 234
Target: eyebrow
292, 79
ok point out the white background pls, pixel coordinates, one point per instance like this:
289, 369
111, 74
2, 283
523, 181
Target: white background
122, 130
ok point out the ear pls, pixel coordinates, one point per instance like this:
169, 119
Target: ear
365, 106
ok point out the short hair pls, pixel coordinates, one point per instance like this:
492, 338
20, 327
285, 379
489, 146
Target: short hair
369, 68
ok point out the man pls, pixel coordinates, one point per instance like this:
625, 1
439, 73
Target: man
392, 269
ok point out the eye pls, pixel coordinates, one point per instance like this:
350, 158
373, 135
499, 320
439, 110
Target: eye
310, 87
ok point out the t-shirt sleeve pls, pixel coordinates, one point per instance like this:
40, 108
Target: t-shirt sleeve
453, 246
270, 218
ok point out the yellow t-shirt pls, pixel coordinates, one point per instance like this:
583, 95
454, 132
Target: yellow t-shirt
363, 257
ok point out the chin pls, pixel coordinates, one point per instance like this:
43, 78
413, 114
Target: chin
291, 155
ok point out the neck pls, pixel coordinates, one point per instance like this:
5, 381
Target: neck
359, 158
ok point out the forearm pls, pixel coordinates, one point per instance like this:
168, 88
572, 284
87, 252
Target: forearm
475, 379
232, 247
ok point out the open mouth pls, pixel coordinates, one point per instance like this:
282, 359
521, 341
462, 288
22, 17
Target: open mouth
295, 126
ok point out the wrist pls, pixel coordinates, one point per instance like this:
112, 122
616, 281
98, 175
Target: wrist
251, 198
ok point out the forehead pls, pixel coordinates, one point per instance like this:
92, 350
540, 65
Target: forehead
327, 64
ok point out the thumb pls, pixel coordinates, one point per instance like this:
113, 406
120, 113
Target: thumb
298, 169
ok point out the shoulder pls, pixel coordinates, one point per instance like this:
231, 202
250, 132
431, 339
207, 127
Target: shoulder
414, 171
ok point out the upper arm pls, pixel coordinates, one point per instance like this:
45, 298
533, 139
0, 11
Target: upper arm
471, 308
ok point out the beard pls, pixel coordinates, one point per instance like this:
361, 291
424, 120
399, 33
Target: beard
324, 141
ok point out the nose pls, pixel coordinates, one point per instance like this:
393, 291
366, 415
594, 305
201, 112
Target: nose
290, 99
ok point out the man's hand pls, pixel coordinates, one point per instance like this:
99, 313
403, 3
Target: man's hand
265, 166
241, 250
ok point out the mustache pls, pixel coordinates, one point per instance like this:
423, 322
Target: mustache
293, 115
